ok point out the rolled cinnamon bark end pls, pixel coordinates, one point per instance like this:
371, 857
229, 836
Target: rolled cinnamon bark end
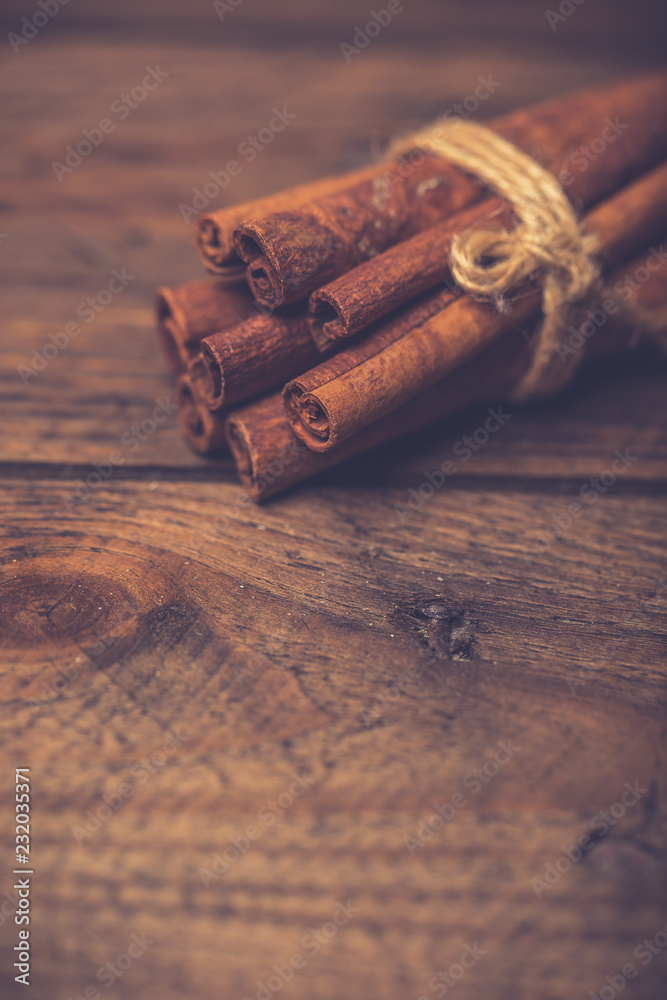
327, 318
263, 276
251, 357
308, 418
203, 429
215, 245
287, 251
212, 386
187, 313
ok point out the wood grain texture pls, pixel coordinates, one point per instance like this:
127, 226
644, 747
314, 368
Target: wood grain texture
379, 657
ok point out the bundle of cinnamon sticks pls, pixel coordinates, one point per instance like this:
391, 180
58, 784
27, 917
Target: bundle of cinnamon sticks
334, 324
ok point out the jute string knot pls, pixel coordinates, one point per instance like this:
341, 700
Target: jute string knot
546, 240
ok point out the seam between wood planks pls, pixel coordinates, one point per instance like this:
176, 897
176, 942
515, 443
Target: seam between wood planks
484, 482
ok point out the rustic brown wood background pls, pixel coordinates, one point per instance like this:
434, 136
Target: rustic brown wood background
163, 603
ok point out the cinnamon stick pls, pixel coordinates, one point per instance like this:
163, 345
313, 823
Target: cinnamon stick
376, 287
270, 458
292, 253
189, 312
401, 359
203, 430
250, 357
214, 233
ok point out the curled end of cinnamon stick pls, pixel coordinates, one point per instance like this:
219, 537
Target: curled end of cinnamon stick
262, 275
308, 418
203, 429
289, 255
212, 380
325, 320
215, 247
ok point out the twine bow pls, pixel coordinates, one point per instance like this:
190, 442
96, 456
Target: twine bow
547, 239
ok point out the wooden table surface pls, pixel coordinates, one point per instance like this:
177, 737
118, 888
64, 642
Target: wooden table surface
192, 657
